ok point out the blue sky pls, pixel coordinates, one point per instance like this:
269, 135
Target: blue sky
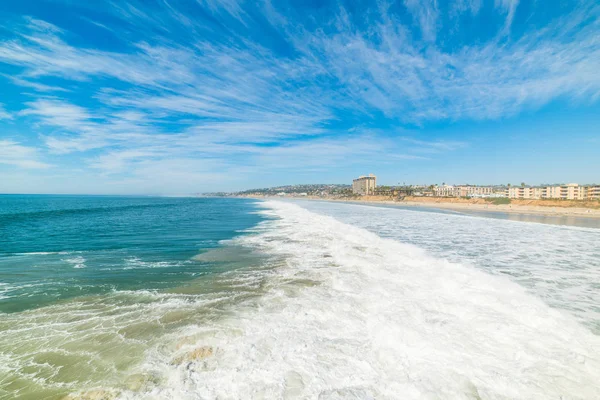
176, 97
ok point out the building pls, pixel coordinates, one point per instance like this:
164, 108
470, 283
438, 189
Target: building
445, 191
593, 193
463, 191
570, 191
524, 192
475, 191
364, 185
551, 192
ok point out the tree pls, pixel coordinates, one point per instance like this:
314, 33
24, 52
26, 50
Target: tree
522, 184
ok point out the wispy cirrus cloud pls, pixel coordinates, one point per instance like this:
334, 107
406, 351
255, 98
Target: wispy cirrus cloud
461, 6
39, 87
376, 69
4, 114
426, 15
15, 154
509, 7
433, 146
261, 85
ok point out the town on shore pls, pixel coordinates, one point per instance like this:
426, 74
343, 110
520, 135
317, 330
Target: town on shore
366, 186
570, 199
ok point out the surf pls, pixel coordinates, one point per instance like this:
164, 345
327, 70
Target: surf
349, 314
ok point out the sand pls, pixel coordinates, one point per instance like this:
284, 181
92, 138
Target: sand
583, 209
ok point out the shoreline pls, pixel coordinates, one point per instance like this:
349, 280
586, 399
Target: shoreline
552, 211
505, 208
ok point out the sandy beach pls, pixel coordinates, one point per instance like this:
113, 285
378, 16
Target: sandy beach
508, 208
548, 208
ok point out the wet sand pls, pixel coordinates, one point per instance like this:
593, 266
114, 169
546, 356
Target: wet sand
573, 216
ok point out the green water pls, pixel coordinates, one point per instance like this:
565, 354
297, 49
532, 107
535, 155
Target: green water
90, 285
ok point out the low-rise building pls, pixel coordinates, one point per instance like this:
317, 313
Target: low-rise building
475, 191
446, 191
364, 185
593, 193
524, 192
551, 192
570, 191
463, 191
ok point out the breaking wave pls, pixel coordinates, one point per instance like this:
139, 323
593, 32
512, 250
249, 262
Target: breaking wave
348, 314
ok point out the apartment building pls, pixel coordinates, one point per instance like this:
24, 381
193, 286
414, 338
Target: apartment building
474, 191
446, 191
593, 193
462, 191
364, 185
570, 191
551, 192
524, 192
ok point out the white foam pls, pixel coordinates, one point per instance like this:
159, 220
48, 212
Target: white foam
559, 264
76, 262
136, 263
354, 315
38, 253
46, 253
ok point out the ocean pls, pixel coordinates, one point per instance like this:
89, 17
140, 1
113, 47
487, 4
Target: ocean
206, 298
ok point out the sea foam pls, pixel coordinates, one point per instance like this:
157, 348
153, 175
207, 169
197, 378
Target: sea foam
349, 314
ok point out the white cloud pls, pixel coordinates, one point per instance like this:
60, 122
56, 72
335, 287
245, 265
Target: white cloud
40, 87
509, 7
461, 6
229, 101
425, 13
58, 113
13, 153
375, 68
434, 146
4, 114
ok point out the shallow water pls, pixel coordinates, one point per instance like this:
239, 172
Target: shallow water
320, 300
88, 284
566, 220
559, 264
58, 247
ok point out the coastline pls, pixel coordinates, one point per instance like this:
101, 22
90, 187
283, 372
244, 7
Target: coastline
506, 208
463, 206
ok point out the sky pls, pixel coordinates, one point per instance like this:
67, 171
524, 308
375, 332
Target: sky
172, 97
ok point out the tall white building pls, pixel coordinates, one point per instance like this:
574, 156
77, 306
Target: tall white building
364, 185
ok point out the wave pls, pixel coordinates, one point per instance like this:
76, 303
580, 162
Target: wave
349, 314
76, 262
29, 215
45, 253
559, 264
137, 263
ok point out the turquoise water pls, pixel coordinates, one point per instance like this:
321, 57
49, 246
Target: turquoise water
57, 247
200, 298
89, 285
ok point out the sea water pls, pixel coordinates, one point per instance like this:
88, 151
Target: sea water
230, 298
88, 284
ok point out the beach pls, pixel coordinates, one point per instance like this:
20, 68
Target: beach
506, 208
535, 207
186, 298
